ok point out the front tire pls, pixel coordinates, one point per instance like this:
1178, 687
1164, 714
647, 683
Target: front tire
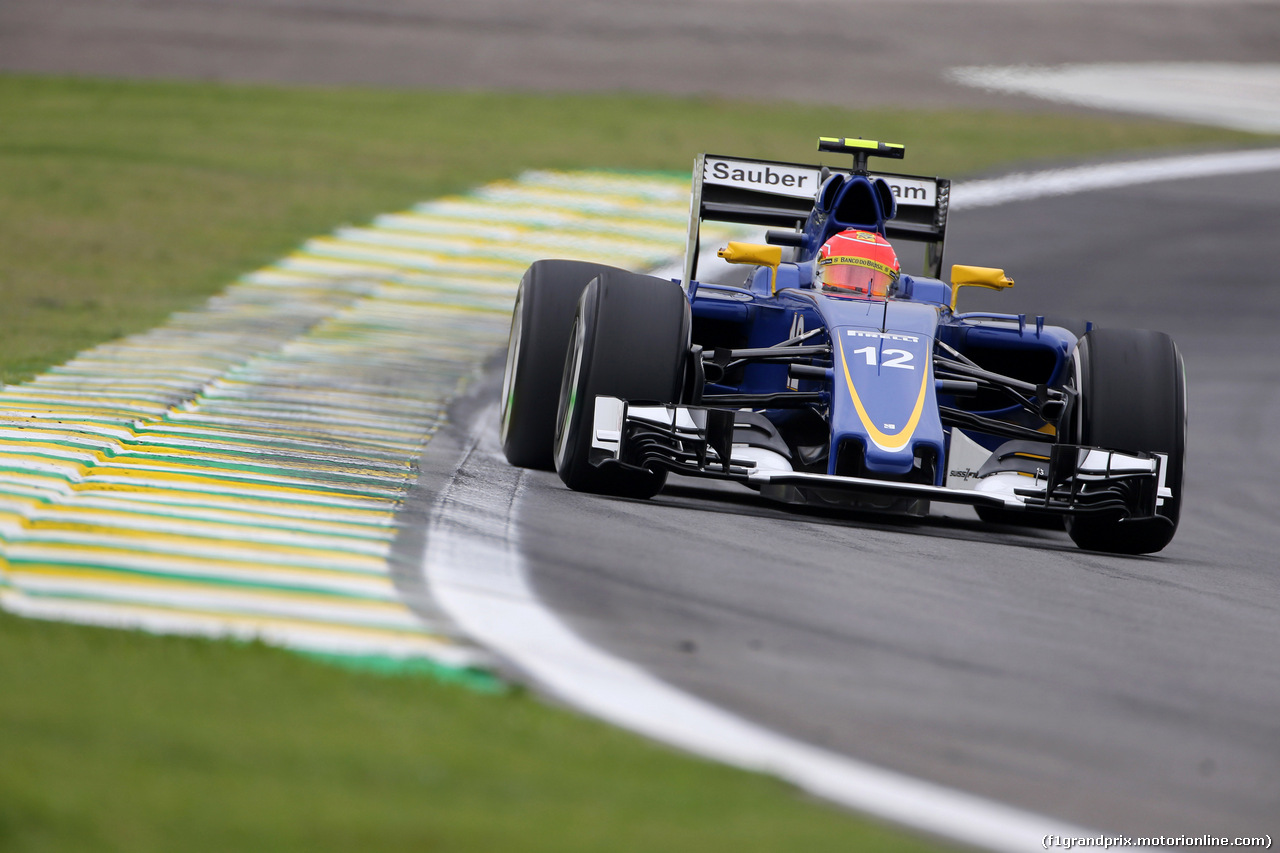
1132, 398
630, 340
545, 306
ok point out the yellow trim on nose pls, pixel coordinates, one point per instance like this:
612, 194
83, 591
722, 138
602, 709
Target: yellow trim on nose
882, 439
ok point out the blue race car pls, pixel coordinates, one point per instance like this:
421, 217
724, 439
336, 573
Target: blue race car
825, 376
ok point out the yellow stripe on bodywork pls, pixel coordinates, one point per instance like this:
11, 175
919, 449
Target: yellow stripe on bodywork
882, 439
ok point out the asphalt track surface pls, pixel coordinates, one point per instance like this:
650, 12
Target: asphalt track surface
1132, 694
1135, 695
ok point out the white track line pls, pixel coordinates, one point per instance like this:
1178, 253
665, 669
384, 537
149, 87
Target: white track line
1029, 186
476, 573
1242, 96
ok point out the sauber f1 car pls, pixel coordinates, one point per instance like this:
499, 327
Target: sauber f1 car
812, 392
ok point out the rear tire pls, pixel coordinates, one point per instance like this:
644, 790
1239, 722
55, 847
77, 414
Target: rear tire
1132, 398
545, 306
630, 340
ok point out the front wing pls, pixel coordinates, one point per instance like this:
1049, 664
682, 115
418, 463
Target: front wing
698, 441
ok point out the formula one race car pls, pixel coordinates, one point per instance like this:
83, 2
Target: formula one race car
828, 377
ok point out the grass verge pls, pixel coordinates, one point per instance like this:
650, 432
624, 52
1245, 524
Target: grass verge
118, 741
121, 202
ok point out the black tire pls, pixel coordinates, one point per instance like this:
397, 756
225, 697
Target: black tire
545, 306
630, 340
1132, 397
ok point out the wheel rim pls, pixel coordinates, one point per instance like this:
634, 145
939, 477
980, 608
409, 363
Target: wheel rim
513, 358
569, 395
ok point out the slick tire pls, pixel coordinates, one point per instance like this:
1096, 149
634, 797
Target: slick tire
630, 340
1132, 397
545, 306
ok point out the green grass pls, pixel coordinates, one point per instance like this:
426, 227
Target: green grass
116, 741
121, 202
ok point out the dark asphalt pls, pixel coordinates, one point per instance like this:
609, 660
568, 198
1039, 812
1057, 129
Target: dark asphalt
1135, 695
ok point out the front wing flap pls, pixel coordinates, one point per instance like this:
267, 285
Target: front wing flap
698, 441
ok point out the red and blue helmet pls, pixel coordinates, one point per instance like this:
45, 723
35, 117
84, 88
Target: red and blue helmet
858, 263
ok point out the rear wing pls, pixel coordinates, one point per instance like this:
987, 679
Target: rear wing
779, 195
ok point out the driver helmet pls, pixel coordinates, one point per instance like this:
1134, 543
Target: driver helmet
858, 263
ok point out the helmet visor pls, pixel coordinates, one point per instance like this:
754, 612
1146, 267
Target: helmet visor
857, 276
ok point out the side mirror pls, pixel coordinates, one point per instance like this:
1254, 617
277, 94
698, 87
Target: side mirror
754, 253
966, 276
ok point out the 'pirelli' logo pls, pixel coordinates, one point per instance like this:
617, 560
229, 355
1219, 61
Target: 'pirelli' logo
884, 336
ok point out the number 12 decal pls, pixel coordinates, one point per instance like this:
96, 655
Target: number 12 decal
893, 357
